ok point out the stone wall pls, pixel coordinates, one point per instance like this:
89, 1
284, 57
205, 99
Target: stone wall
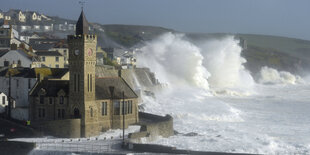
68, 128
153, 126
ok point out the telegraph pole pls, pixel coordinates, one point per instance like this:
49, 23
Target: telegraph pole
9, 96
123, 118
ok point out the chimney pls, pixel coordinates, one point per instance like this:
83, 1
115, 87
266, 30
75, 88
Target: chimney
111, 88
13, 46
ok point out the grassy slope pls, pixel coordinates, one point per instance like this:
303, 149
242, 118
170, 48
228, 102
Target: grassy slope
294, 47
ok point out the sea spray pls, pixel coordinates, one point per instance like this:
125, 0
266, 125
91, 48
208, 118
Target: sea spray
223, 60
175, 61
271, 122
272, 76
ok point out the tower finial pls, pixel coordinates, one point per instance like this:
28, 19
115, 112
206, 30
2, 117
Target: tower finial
82, 4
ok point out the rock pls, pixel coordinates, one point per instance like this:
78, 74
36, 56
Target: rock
176, 132
191, 134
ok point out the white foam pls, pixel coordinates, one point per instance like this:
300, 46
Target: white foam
234, 119
272, 76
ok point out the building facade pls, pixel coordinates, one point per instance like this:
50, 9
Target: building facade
88, 104
51, 59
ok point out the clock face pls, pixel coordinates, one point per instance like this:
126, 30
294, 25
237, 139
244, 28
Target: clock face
90, 52
76, 52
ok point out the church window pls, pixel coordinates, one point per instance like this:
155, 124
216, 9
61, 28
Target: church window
58, 113
61, 100
63, 113
116, 107
39, 112
41, 99
91, 82
104, 108
43, 113
88, 82
130, 109
124, 107
91, 112
78, 82
75, 82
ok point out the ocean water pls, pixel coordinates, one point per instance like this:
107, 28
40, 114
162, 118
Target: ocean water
217, 105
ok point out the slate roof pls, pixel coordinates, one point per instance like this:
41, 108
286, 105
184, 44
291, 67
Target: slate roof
3, 52
40, 47
52, 87
103, 88
32, 72
48, 53
81, 25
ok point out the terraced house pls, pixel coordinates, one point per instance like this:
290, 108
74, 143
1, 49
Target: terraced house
85, 103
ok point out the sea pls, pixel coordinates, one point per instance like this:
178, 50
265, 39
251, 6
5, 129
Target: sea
218, 105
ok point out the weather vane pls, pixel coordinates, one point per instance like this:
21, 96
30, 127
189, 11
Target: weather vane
82, 4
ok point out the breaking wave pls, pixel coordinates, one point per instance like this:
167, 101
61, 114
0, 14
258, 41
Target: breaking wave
272, 76
248, 123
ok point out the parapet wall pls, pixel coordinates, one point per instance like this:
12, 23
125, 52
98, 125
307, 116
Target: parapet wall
68, 128
153, 126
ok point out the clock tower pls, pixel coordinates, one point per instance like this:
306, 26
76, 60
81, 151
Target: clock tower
82, 64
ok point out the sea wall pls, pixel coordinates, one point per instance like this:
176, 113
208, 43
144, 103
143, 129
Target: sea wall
137, 78
68, 128
153, 126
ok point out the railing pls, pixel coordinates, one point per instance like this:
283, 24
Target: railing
74, 145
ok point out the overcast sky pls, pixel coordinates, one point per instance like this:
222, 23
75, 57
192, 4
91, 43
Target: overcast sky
289, 18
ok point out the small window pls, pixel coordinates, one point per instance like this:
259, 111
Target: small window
3, 100
104, 108
116, 107
91, 112
57, 59
57, 66
51, 100
124, 110
43, 59
61, 100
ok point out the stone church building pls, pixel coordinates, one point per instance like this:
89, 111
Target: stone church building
82, 104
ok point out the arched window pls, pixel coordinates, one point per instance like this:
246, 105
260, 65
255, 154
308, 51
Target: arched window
76, 113
61, 100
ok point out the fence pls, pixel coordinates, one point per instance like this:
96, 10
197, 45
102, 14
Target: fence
77, 145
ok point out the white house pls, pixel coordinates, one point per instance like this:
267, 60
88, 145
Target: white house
17, 58
21, 17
